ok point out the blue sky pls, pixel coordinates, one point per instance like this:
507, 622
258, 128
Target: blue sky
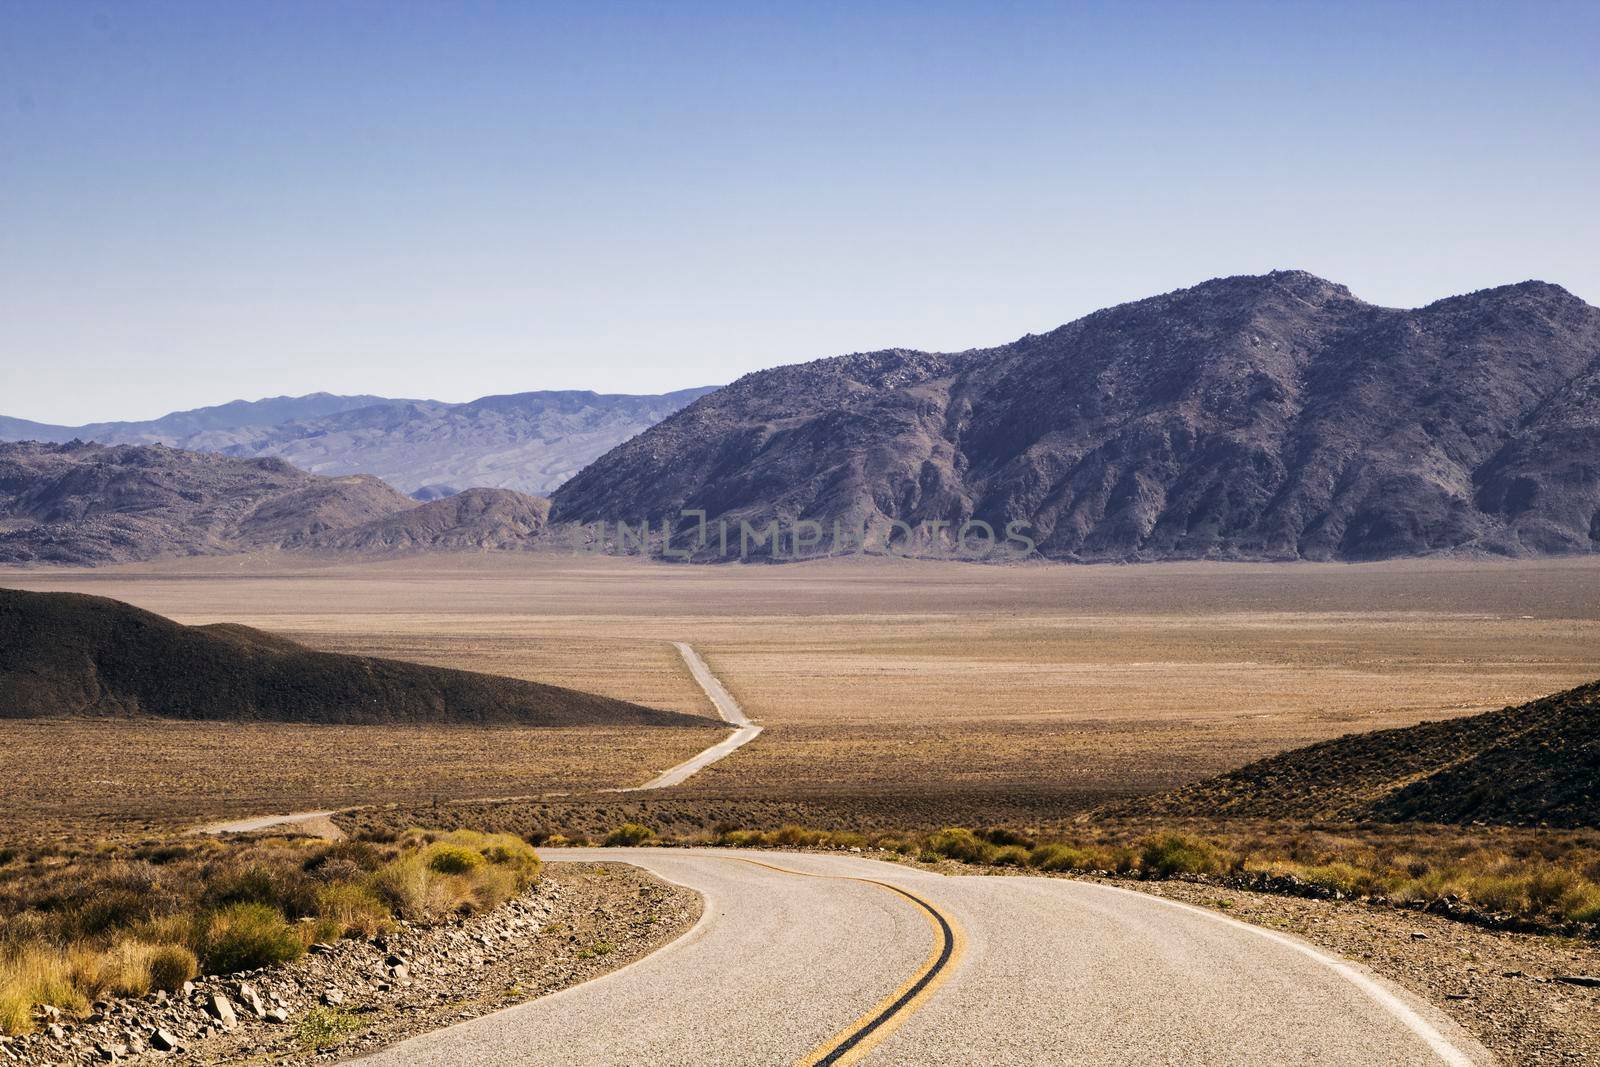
204, 201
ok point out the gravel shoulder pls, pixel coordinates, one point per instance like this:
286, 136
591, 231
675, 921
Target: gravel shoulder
580, 921
1503, 988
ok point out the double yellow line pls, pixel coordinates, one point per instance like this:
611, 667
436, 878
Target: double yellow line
852, 1043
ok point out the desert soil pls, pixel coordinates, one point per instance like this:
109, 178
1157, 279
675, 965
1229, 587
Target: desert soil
977, 693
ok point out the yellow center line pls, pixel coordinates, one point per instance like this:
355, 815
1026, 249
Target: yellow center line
852, 1043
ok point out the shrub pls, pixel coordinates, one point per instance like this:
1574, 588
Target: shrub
792, 836
1341, 878
488, 888
514, 854
996, 835
453, 859
1582, 904
351, 909
960, 844
31, 975
171, 966
1173, 854
1010, 856
1061, 858
1547, 887
405, 885
121, 895
280, 886
241, 937
628, 834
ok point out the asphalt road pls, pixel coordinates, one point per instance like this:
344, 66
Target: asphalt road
828, 959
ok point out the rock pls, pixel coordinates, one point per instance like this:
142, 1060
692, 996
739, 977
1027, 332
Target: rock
111, 1052
1588, 981
1418, 935
221, 1009
332, 997
400, 972
277, 1015
165, 1041
55, 1031
321, 948
251, 999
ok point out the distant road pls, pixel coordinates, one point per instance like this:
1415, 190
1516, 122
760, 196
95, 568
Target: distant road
827, 959
745, 731
311, 821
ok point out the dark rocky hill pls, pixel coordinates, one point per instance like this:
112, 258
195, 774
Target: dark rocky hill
1270, 417
1534, 764
65, 654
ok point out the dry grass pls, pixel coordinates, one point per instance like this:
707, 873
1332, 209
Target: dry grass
125, 921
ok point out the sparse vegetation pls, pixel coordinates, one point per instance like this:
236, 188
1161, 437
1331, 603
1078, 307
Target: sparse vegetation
321, 1028
1401, 867
129, 921
242, 937
629, 833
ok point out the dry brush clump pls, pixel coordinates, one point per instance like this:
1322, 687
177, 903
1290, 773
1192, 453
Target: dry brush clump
75, 927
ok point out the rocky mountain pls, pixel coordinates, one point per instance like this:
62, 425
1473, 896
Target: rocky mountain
1537, 763
91, 503
83, 503
527, 442
68, 654
475, 519
1256, 417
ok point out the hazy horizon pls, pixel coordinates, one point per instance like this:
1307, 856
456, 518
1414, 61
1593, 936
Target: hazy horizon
201, 203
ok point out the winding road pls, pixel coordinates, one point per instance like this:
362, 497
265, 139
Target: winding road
744, 732
829, 959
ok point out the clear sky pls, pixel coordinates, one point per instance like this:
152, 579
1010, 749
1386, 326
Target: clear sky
220, 199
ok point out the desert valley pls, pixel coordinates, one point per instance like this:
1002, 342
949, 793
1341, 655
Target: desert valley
231, 644
895, 535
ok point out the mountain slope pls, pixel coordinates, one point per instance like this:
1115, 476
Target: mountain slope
528, 442
1270, 417
475, 519
89, 503
68, 654
1537, 763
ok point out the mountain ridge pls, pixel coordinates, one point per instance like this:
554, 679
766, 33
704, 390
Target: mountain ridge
527, 442
1254, 417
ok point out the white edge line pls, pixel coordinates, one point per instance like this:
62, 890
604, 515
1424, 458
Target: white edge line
1397, 1007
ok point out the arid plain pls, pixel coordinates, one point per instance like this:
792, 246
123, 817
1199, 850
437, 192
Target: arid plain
893, 692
